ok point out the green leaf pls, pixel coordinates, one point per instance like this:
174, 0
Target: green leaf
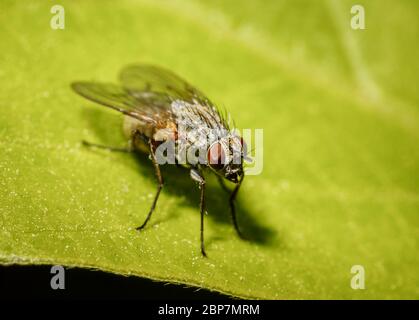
339, 110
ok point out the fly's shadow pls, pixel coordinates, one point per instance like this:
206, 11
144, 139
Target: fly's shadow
179, 183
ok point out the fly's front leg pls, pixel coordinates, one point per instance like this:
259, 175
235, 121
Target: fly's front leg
233, 196
222, 184
197, 176
159, 187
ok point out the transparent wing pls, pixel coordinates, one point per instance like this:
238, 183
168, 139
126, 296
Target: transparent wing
147, 93
140, 78
145, 106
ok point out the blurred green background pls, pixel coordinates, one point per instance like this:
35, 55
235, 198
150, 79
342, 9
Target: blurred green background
339, 109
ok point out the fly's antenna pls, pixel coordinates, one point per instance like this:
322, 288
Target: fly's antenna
251, 151
248, 156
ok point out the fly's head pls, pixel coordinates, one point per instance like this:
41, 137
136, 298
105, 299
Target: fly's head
225, 157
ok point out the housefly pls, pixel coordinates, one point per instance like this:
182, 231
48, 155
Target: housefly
163, 110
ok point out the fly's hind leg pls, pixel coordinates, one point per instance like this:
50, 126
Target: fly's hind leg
159, 186
110, 148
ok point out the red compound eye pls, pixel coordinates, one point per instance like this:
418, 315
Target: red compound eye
216, 155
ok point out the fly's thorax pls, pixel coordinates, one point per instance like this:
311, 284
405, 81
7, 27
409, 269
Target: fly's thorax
193, 143
199, 134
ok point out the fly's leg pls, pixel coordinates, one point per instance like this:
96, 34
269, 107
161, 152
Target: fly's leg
101, 146
233, 209
198, 177
159, 187
233, 196
223, 185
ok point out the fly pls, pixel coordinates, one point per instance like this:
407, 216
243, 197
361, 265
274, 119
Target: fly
168, 118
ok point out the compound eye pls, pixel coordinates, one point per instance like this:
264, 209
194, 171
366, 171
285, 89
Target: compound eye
216, 155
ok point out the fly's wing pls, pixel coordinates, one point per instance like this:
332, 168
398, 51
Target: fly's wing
147, 94
148, 107
140, 79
